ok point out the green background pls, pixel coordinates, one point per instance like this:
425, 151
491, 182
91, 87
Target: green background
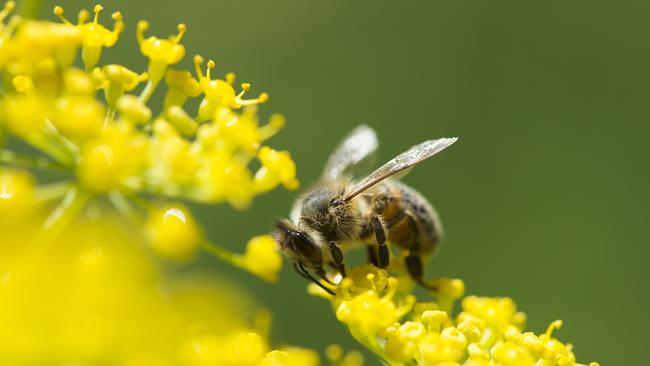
544, 198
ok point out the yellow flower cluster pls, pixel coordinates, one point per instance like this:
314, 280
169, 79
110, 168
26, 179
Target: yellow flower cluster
95, 123
383, 315
93, 296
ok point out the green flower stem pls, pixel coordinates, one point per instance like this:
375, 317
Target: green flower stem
53, 146
50, 192
122, 204
148, 90
223, 254
9, 157
73, 202
372, 345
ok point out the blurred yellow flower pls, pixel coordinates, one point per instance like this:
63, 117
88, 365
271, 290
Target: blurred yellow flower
290, 357
277, 167
25, 115
172, 231
93, 295
261, 258
17, 194
113, 160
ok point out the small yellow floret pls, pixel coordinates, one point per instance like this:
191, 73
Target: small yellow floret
510, 354
185, 124
156, 49
277, 167
133, 109
172, 231
95, 36
78, 116
367, 312
173, 163
496, 312
181, 85
402, 342
290, 357
22, 83
112, 160
17, 198
224, 178
241, 130
448, 346
121, 75
161, 52
117, 80
220, 93
334, 353
76, 81
24, 115
262, 258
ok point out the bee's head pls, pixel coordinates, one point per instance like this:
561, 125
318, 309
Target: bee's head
324, 210
296, 244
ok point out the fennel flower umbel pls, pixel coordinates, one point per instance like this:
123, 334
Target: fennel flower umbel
76, 284
384, 316
93, 123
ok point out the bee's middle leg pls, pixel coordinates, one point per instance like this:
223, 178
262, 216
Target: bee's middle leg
372, 254
383, 253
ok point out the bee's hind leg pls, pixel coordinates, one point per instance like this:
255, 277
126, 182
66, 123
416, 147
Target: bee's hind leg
302, 271
415, 268
413, 260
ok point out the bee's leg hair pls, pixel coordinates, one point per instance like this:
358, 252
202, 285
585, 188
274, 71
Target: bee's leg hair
301, 270
414, 259
337, 257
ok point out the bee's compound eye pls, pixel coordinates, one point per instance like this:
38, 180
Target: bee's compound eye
305, 247
336, 202
301, 237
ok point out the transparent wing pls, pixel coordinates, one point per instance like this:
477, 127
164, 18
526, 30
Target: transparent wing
354, 150
401, 162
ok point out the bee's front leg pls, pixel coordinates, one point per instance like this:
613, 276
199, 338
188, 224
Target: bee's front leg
383, 253
337, 257
302, 271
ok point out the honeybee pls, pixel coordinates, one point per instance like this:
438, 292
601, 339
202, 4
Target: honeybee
339, 213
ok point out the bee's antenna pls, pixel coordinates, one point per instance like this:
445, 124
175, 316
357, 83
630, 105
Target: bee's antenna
283, 225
